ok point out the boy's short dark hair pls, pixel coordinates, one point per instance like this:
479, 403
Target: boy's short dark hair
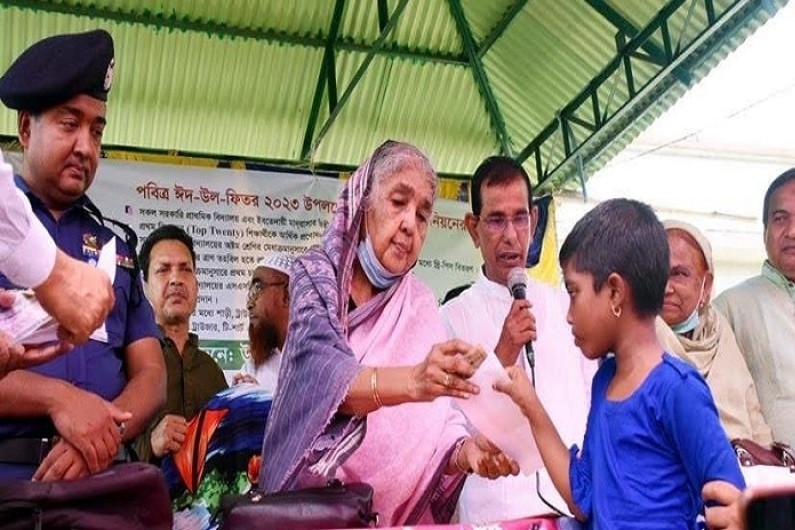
622, 236
782, 179
164, 233
497, 170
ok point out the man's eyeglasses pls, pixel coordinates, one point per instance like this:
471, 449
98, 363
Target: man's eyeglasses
497, 224
257, 286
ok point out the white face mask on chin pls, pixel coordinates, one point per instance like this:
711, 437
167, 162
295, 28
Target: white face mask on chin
690, 323
372, 267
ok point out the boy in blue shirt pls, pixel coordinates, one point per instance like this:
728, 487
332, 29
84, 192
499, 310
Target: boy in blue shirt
653, 441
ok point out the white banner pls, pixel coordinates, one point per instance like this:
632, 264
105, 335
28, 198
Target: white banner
236, 217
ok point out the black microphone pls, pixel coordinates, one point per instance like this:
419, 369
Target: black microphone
517, 284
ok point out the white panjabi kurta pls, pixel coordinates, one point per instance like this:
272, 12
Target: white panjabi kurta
761, 311
563, 383
266, 374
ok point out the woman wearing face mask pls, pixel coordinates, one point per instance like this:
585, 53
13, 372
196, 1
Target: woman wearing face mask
367, 373
698, 333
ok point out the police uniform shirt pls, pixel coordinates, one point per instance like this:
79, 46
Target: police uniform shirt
96, 366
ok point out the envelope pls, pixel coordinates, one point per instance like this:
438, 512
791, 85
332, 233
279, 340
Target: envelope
499, 419
28, 323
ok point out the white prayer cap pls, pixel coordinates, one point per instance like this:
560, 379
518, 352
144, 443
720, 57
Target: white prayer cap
278, 262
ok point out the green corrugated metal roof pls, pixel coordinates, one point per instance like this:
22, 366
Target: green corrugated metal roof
238, 78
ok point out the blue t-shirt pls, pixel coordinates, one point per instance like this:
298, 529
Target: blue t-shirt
646, 458
96, 366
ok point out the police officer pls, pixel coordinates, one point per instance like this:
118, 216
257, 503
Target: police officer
76, 294
70, 417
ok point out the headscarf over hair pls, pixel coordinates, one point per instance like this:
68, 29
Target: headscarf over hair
319, 300
695, 233
342, 237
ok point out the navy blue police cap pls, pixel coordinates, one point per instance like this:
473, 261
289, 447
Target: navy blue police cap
56, 69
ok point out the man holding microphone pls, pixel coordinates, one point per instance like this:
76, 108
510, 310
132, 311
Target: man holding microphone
501, 225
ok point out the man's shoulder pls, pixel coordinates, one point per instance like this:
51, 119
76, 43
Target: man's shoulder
95, 234
198, 349
468, 301
106, 233
749, 284
744, 291
206, 358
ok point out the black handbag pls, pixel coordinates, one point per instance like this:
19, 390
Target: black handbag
335, 505
123, 497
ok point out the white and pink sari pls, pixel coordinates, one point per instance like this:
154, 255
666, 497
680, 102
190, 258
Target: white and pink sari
402, 451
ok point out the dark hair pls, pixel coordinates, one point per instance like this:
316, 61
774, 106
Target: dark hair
164, 233
625, 237
782, 179
497, 170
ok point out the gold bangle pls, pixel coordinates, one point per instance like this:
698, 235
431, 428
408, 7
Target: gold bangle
374, 388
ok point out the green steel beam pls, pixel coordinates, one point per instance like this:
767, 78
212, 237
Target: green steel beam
629, 78
624, 26
709, 7
591, 91
582, 123
383, 14
326, 77
501, 26
393, 19
9, 143
331, 74
331, 77
482, 81
610, 122
180, 23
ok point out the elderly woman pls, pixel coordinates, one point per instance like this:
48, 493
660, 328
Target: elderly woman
367, 374
698, 333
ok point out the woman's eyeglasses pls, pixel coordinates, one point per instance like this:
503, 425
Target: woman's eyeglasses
257, 286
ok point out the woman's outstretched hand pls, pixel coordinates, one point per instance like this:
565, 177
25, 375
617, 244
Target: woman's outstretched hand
486, 459
445, 371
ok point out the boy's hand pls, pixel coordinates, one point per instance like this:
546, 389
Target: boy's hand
518, 388
240, 378
726, 514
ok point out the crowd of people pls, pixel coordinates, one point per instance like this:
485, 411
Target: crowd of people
636, 385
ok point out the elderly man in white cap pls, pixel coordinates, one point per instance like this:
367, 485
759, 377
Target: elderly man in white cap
268, 310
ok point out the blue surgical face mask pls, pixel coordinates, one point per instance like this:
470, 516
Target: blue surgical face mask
687, 325
373, 269
690, 323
